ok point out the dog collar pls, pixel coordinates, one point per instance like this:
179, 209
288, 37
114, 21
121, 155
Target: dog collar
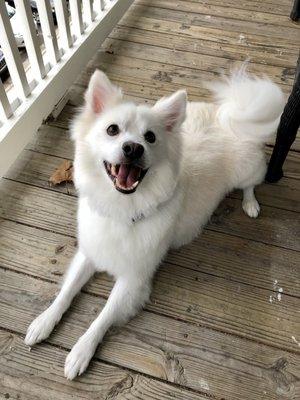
142, 216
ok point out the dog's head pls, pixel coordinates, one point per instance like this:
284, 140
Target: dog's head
127, 155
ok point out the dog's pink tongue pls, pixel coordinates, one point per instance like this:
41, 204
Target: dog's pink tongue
123, 174
128, 175
133, 176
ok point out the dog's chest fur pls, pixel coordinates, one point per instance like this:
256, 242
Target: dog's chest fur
121, 247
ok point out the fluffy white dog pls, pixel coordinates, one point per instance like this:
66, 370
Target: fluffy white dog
148, 179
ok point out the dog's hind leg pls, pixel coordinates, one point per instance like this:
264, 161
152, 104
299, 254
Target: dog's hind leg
250, 204
127, 297
252, 173
78, 274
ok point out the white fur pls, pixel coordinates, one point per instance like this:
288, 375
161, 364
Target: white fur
194, 162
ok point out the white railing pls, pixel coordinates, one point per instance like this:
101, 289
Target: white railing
82, 25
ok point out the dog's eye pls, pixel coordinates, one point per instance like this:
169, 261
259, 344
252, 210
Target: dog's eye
150, 137
113, 130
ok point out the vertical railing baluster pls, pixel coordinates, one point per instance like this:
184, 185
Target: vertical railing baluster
100, 6
48, 29
4, 102
32, 41
62, 15
12, 55
76, 15
88, 10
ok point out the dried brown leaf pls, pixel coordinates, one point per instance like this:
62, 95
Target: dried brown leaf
64, 173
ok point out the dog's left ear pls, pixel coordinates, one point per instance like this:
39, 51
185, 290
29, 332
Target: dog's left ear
172, 109
101, 93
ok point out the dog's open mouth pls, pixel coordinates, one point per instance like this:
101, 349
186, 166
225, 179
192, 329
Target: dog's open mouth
126, 177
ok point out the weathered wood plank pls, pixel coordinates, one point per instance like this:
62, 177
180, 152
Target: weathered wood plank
241, 260
161, 78
53, 140
218, 10
136, 90
235, 25
219, 365
38, 375
271, 227
56, 212
46, 255
205, 65
154, 74
35, 168
38, 207
170, 34
273, 6
147, 71
192, 295
206, 32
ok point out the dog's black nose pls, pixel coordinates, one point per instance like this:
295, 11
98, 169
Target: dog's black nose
132, 150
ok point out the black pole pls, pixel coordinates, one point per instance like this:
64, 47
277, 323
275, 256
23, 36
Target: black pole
295, 13
287, 131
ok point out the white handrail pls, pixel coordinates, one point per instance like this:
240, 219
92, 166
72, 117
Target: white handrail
53, 67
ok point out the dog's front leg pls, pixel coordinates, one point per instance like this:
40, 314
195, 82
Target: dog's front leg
78, 274
127, 297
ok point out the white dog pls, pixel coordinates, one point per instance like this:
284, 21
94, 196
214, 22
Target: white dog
148, 179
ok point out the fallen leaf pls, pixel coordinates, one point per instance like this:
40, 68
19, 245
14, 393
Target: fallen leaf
64, 173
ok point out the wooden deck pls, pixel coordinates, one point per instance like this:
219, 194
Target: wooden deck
217, 325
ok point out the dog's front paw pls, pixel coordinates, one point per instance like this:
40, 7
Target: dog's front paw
40, 328
79, 357
251, 208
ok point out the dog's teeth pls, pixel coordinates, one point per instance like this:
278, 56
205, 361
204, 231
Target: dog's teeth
133, 186
119, 185
113, 170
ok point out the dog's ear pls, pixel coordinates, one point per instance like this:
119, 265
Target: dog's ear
172, 109
101, 92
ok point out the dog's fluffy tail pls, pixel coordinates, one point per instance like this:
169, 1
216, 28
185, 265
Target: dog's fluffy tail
248, 105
